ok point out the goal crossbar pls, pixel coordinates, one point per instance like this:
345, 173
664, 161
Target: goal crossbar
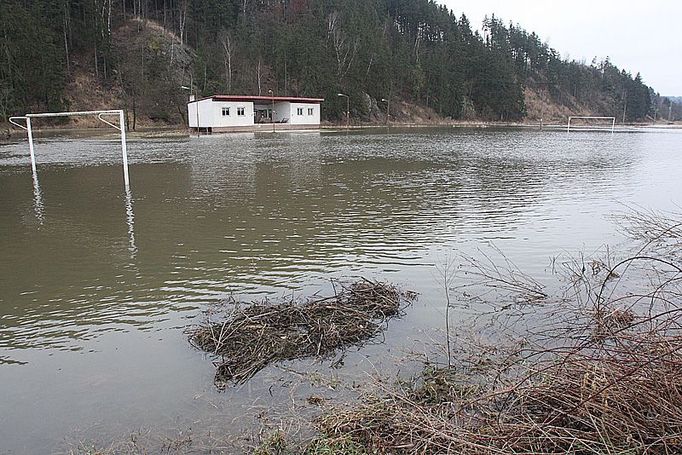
570, 119
100, 114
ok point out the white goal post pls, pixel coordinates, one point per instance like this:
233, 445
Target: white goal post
121, 127
612, 119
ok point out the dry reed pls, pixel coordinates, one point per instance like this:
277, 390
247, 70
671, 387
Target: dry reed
601, 373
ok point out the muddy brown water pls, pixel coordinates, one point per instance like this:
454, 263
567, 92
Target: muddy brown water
97, 286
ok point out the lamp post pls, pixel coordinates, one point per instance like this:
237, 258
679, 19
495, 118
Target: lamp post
347, 109
272, 112
196, 100
388, 111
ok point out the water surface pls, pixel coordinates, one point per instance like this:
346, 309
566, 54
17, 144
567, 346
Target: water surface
98, 285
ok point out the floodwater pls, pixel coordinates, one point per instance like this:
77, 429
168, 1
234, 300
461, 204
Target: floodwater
98, 285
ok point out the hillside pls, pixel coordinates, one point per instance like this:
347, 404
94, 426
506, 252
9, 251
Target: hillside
432, 64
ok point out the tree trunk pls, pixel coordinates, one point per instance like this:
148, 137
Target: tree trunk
134, 113
66, 40
96, 65
182, 16
259, 75
227, 49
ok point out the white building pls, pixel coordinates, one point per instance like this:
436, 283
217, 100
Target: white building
225, 113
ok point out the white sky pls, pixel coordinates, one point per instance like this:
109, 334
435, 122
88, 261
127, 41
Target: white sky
639, 36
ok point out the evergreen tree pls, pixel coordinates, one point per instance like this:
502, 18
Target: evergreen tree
416, 50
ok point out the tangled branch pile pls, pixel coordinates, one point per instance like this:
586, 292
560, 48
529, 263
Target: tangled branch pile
263, 333
601, 374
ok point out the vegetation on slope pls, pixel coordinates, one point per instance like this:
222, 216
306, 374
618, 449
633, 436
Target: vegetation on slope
402, 50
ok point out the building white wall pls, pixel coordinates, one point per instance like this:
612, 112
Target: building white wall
289, 111
211, 114
304, 119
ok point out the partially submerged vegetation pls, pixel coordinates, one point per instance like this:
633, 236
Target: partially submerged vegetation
260, 334
600, 370
624, 396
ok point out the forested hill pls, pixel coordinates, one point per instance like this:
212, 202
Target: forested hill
140, 52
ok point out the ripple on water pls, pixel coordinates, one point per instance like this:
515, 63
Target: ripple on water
222, 214
83, 268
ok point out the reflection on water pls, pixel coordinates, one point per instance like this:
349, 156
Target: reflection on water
130, 219
90, 271
37, 199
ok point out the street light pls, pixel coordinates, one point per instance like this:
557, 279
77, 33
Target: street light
388, 111
272, 112
347, 109
196, 100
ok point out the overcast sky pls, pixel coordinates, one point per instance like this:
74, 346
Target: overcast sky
639, 36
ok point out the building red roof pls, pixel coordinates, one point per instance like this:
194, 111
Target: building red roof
267, 99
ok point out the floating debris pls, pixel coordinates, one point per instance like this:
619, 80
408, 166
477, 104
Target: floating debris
263, 333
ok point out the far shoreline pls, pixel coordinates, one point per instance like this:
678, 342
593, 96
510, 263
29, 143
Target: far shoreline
8, 133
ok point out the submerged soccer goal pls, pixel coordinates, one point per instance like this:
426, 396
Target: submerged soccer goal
100, 114
591, 124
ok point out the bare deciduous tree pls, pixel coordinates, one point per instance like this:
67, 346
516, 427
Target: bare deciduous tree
259, 73
182, 15
228, 52
345, 51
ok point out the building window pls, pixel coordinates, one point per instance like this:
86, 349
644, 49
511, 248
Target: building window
299, 111
226, 111
311, 111
240, 111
